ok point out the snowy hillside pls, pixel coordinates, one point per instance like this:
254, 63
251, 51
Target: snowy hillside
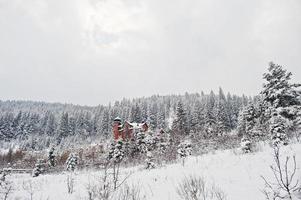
237, 175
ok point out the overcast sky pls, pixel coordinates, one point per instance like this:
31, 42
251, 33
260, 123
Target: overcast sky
92, 52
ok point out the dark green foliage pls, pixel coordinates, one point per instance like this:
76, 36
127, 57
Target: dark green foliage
51, 157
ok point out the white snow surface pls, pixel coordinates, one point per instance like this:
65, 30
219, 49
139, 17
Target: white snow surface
238, 175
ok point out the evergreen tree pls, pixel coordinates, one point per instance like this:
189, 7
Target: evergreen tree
16, 123
149, 160
136, 115
141, 145
38, 169
278, 91
184, 150
247, 121
241, 125
221, 119
50, 125
161, 119
64, 127
105, 123
51, 157
116, 152
195, 118
278, 129
179, 125
245, 145
283, 100
151, 116
71, 162
210, 119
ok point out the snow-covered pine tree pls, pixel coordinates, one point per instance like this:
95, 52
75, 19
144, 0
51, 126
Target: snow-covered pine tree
15, 123
245, 145
179, 125
50, 125
149, 160
150, 141
105, 123
278, 91
263, 115
152, 109
221, 118
136, 115
283, 99
247, 121
72, 126
161, 119
141, 145
38, 169
116, 152
210, 120
241, 124
162, 142
71, 162
63, 127
278, 129
250, 117
195, 122
5, 130
231, 112
51, 157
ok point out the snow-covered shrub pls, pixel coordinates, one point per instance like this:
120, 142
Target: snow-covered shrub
149, 160
71, 162
38, 169
245, 145
30, 187
196, 188
100, 187
184, 150
129, 193
162, 147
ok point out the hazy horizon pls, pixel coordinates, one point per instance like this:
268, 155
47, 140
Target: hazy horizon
91, 52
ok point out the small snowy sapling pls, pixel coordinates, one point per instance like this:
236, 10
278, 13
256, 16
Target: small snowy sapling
149, 160
51, 157
71, 162
38, 169
245, 145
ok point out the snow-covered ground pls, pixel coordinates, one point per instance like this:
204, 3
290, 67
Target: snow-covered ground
238, 175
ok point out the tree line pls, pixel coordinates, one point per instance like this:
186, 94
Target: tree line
38, 125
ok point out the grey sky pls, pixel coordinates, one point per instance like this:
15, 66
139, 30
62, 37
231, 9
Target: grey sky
95, 51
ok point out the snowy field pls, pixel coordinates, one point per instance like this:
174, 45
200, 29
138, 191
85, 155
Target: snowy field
236, 174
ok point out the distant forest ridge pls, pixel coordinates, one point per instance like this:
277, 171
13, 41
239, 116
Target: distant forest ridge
40, 107
26, 120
